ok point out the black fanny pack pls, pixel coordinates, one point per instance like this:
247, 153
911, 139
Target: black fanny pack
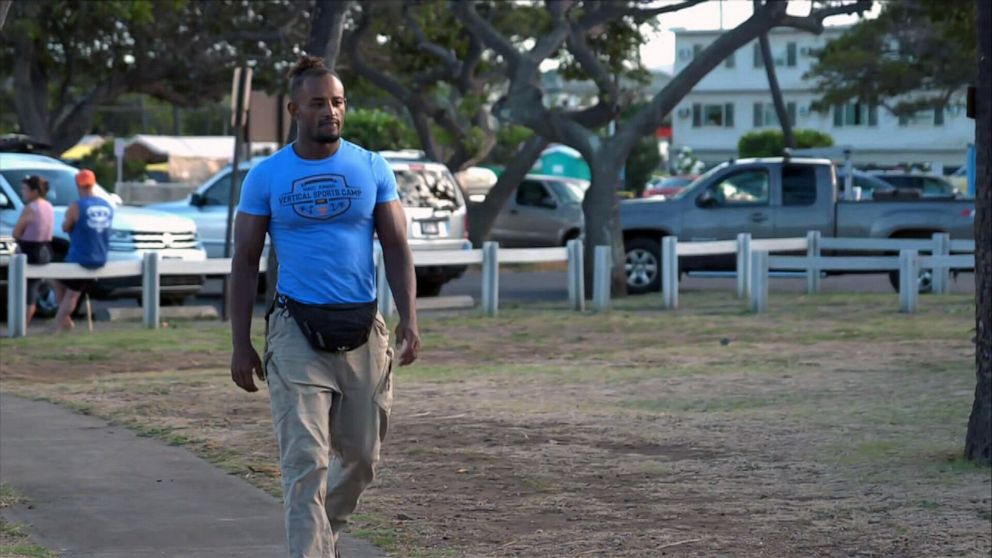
334, 328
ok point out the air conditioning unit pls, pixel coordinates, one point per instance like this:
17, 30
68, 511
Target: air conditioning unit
684, 112
806, 51
685, 53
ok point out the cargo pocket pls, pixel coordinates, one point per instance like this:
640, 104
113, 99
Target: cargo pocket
384, 395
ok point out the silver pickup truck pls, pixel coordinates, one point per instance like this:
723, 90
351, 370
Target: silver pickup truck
772, 198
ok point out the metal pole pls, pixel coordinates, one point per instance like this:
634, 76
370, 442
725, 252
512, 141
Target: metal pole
670, 271
759, 281
385, 294
743, 265
490, 278
576, 277
17, 289
150, 289
813, 259
909, 274
601, 278
235, 171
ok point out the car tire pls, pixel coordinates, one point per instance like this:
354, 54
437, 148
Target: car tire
642, 265
427, 288
47, 305
924, 281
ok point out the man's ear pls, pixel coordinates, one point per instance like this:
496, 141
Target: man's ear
292, 108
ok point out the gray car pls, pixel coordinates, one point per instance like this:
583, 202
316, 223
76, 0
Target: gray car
543, 211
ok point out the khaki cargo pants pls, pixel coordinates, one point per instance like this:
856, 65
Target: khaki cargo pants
330, 412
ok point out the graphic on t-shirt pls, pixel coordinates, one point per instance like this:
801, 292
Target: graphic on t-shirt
320, 197
98, 217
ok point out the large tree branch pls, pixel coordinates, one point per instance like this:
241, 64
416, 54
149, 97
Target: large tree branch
448, 58
814, 21
586, 58
549, 43
465, 11
612, 10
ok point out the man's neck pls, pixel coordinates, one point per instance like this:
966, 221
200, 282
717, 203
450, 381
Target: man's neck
312, 150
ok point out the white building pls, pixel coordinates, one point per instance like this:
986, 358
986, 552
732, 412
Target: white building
734, 99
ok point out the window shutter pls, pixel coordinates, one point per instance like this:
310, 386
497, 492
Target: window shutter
697, 115
696, 49
730, 62
938, 116
758, 61
790, 55
791, 108
872, 115
759, 115
728, 115
838, 116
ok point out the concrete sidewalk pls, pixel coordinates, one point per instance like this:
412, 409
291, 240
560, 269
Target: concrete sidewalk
100, 491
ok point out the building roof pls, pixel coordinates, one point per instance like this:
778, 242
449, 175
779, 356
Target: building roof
195, 147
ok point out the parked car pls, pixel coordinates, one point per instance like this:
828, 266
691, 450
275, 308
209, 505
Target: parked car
431, 197
667, 186
772, 198
135, 230
870, 185
542, 211
929, 186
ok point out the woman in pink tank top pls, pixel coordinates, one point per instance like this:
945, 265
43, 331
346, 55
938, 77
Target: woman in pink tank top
33, 231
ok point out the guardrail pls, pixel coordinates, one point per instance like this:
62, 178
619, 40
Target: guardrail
151, 268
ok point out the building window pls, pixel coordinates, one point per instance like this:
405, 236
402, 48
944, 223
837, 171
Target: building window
730, 62
790, 55
765, 115
713, 115
923, 117
696, 49
855, 114
759, 62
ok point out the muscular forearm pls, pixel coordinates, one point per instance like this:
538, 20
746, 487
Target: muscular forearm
244, 285
402, 280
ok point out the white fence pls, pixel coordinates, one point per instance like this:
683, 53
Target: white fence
753, 256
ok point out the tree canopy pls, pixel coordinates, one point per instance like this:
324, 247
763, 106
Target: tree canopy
917, 54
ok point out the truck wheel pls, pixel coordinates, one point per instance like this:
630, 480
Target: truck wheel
642, 264
924, 281
427, 288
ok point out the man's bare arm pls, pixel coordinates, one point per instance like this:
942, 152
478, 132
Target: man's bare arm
249, 240
70, 218
390, 226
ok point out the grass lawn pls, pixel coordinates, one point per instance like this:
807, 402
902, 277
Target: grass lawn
14, 542
832, 425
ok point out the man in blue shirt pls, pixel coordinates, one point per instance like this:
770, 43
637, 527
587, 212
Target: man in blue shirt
322, 200
88, 221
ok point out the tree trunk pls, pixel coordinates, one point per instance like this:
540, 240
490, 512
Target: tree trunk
327, 29
4, 8
483, 215
780, 110
978, 442
601, 210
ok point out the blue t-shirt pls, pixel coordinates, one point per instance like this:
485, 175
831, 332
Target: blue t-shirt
321, 220
89, 239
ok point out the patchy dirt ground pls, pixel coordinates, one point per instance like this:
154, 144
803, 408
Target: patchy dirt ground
831, 426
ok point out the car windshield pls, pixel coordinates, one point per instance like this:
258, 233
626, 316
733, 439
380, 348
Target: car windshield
568, 192
419, 186
694, 185
61, 184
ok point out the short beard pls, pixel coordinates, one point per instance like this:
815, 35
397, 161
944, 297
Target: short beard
319, 137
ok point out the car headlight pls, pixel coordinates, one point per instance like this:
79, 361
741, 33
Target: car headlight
119, 235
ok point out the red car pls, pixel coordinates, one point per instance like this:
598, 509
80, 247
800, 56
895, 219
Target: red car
668, 186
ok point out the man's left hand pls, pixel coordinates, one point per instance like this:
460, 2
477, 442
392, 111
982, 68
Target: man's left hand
407, 342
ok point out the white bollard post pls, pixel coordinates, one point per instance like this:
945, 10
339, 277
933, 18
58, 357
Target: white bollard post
743, 265
150, 289
490, 278
909, 275
812, 257
941, 273
17, 290
383, 292
670, 271
601, 278
576, 275
759, 281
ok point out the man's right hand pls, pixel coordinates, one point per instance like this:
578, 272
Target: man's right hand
244, 364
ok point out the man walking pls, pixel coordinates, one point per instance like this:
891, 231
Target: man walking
327, 361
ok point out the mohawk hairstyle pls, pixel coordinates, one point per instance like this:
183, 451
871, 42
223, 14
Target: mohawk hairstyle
307, 66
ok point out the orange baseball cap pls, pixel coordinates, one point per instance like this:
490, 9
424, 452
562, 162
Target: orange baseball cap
85, 178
